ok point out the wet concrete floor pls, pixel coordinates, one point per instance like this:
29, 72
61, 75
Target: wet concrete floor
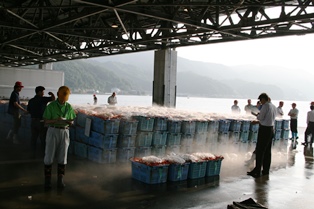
92, 185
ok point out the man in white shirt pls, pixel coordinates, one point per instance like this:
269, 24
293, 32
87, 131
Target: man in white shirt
112, 100
293, 113
249, 107
266, 121
310, 125
235, 108
279, 110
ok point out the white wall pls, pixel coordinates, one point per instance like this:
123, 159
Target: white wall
30, 78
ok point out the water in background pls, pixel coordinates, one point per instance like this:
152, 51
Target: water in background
213, 105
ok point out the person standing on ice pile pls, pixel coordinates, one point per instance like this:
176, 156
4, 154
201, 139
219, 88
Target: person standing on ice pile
235, 108
58, 116
266, 121
112, 100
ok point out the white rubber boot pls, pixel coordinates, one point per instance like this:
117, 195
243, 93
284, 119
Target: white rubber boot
9, 135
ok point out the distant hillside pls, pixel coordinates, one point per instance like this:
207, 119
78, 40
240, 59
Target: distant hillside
133, 74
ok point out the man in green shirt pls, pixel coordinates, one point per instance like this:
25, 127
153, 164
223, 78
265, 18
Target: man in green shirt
58, 116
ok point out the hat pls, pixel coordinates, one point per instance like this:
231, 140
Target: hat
312, 103
18, 84
293, 104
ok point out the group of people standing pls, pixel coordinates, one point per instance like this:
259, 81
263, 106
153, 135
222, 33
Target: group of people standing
112, 100
50, 121
266, 113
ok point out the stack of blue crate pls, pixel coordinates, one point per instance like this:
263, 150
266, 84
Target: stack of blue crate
201, 132
244, 131
126, 140
223, 135
278, 128
235, 128
144, 136
253, 133
102, 140
159, 136
285, 129
187, 136
212, 134
173, 136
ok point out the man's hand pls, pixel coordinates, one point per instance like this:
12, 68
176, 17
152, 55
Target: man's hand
254, 122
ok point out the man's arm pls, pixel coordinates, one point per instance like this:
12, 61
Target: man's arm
16, 104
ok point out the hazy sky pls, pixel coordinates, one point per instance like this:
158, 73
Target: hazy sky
291, 52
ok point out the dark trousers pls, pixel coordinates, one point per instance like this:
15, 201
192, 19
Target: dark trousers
38, 130
16, 122
263, 149
309, 130
294, 125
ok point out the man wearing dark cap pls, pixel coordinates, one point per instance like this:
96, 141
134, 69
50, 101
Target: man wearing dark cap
58, 116
36, 107
266, 120
310, 125
293, 113
14, 110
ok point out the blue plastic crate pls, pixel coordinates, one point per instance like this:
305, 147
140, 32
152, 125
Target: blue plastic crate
105, 126
2, 109
235, 125
200, 138
145, 123
173, 148
149, 174
201, 126
107, 141
81, 119
213, 167
234, 136
71, 147
160, 124
128, 127
213, 126
285, 124
159, 151
72, 132
125, 154
188, 127
80, 135
244, 136
187, 139
245, 125
253, 136
254, 127
212, 137
101, 156
278, 124
186, 149
277, 134
224, 126
173, 139
126, 140
144, 139
159, 138
178, 172
285, 134
197, 170
143, 151
80, 149
174, 126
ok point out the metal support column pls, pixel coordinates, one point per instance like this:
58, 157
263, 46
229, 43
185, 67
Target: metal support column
165, 78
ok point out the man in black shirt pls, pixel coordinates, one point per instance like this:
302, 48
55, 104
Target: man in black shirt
36, 107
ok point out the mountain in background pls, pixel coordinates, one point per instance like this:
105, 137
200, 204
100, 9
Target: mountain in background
133, 74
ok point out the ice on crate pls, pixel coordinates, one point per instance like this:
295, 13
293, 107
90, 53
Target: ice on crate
173, 158
152, 159
204, 155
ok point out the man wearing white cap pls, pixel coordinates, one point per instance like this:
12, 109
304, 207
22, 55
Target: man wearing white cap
310, 125
14, 110
58, 116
